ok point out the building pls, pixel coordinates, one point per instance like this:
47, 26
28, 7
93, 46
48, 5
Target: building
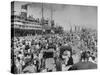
21, 25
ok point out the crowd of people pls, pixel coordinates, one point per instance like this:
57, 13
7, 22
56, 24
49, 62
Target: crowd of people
53, 52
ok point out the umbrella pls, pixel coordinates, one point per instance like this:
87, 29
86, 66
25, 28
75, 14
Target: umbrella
83, 66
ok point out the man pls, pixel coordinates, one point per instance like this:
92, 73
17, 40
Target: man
65, 61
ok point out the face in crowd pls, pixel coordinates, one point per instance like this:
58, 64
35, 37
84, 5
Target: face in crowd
66, 55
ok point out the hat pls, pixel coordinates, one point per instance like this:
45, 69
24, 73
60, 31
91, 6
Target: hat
65, 48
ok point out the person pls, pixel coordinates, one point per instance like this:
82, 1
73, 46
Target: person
31, 68
31, 49
84, 56
14, 67
18, 65
40, 59
76, 58
66, 60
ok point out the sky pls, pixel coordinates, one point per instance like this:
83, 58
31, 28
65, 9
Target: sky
65, 15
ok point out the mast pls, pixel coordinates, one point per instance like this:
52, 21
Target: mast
52, 23
71, 29
42, 15
51, 13
42, 19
